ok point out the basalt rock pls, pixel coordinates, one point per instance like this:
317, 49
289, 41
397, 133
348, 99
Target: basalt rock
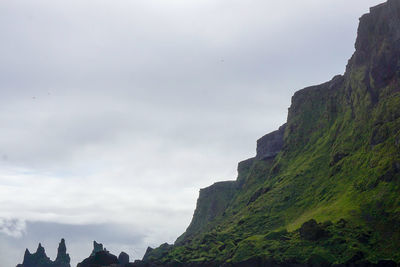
40, 259
123, 259
270, 144
62, 259
97, 247
100, 259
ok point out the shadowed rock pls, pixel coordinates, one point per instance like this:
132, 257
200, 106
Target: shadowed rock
123, 259
100, 259
270, 144
311, 230
40, 259
97, 247
62, 258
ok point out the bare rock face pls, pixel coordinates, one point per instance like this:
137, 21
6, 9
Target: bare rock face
62, 258
97, 247
270, 144
378, 44
40, 259
37, 259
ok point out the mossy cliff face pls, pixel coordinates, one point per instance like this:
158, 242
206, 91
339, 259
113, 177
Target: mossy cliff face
331, 193
211, 204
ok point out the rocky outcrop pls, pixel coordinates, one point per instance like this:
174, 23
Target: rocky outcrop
97, 247
100, 257
243, 170
156, 253
270, 144
62, 258
37, 259
311, 230
211, 203
40, 259
123, 259
378, 44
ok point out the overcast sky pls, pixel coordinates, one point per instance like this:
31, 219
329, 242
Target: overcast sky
114, 114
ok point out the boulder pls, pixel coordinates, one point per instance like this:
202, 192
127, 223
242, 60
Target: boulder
311, 230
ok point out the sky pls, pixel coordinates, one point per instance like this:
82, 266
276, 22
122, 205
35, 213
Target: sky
114, 114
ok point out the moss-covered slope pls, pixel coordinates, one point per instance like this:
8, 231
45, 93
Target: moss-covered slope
332, 193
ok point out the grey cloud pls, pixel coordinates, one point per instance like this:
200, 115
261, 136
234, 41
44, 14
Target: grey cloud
12, 227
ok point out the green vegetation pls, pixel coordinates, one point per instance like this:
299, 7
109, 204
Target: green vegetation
332, 195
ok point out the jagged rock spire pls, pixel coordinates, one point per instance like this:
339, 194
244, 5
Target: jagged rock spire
40, 259
40, 255
62, 258
27, 256
97, 247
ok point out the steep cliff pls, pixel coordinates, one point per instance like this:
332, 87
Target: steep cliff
270, 144
325, 188
211, 203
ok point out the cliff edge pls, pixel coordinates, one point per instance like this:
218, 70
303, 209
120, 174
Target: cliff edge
324, 189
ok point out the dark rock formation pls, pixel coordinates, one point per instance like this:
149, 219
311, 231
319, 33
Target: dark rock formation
147, 253
100, 259
123, 259
37, 259
378, 43
40, 259
62, 258
97, 247
311, 230
270, 144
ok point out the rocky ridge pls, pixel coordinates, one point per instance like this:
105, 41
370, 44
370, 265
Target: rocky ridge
40, 259
99, 257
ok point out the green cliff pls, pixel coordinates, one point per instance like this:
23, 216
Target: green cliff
325, 188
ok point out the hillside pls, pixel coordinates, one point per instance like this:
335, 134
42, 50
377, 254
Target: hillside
323, 189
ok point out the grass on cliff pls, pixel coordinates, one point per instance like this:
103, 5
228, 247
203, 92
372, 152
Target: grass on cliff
341, 160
